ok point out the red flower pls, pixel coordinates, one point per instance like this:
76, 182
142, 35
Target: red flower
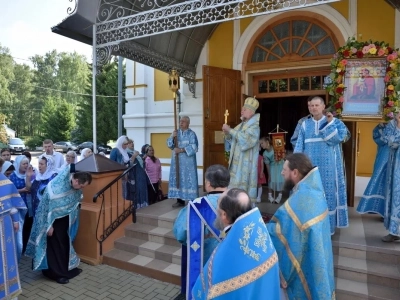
339, 90
338, 105
346, 53
360, 54
388, 69
390, 50
389, 92
342, 73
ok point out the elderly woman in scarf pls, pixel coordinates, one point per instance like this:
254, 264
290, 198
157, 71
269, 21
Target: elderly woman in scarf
85, 153
135, 185
18, 177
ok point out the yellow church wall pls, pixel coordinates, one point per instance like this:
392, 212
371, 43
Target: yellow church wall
220, 46
375, 21
159, 143
244, 23
342, 7
161, 90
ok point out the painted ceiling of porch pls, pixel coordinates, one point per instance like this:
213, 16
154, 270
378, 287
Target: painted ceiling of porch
178, 49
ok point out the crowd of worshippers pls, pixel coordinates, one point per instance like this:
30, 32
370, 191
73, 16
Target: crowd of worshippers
40, 206
291, 256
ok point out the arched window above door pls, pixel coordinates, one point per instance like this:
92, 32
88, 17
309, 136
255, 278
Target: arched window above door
298, 39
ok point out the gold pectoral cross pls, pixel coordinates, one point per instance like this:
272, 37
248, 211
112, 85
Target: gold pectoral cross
226, 114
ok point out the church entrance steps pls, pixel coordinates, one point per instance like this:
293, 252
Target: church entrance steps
365, 267
151, 233
365, 271
149, 247
354, 290
146, 266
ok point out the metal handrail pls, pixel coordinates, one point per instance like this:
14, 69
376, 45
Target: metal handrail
114, 222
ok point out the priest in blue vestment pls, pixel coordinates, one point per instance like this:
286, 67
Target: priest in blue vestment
10, 203
373, 199
50, 242
195, 225
320, 137
245, 264
300, 231
391, 135
185, 151
243, 144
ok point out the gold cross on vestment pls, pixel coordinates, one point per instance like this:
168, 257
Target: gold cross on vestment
226, 114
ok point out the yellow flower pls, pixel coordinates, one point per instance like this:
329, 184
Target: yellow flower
341, 85
372, 51
338, 70
390, 87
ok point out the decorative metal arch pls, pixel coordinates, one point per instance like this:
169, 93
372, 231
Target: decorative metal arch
121, 21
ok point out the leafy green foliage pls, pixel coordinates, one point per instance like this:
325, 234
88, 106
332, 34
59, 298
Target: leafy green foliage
106, 108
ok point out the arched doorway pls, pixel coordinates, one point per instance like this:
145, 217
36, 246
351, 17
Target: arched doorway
288, 61
293, 42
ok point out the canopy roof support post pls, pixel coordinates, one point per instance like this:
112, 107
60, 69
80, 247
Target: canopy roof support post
94, 73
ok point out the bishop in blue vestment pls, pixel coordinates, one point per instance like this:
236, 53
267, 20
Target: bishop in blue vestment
320, 138
10, 203
300, 233
243, 144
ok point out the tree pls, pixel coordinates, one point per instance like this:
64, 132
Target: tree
6, 76
3, 132
21, 88
106, 107
57, 119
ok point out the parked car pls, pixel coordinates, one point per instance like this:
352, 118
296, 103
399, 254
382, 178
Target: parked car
16, 145
100, 147
65, 147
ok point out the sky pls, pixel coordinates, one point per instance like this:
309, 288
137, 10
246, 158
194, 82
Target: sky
25, 28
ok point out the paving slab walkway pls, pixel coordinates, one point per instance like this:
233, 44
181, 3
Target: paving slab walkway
95, 282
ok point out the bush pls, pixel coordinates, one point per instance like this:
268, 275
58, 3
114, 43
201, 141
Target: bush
33, 142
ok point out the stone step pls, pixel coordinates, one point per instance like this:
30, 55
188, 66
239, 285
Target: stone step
353, 290
378, 254
365, 271
146, 266
151, 233
161, 216
171, 254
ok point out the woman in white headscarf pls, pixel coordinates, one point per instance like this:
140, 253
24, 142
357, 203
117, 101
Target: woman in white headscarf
38, 182
85, 153
135, 186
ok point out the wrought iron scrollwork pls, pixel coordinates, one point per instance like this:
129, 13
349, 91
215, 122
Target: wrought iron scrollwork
72, 9
122, 23
192, 87
103, 55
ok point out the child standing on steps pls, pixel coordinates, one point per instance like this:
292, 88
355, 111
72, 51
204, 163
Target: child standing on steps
261, 177
274, 168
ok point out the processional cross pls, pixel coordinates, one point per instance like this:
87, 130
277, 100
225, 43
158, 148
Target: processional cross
226, 114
